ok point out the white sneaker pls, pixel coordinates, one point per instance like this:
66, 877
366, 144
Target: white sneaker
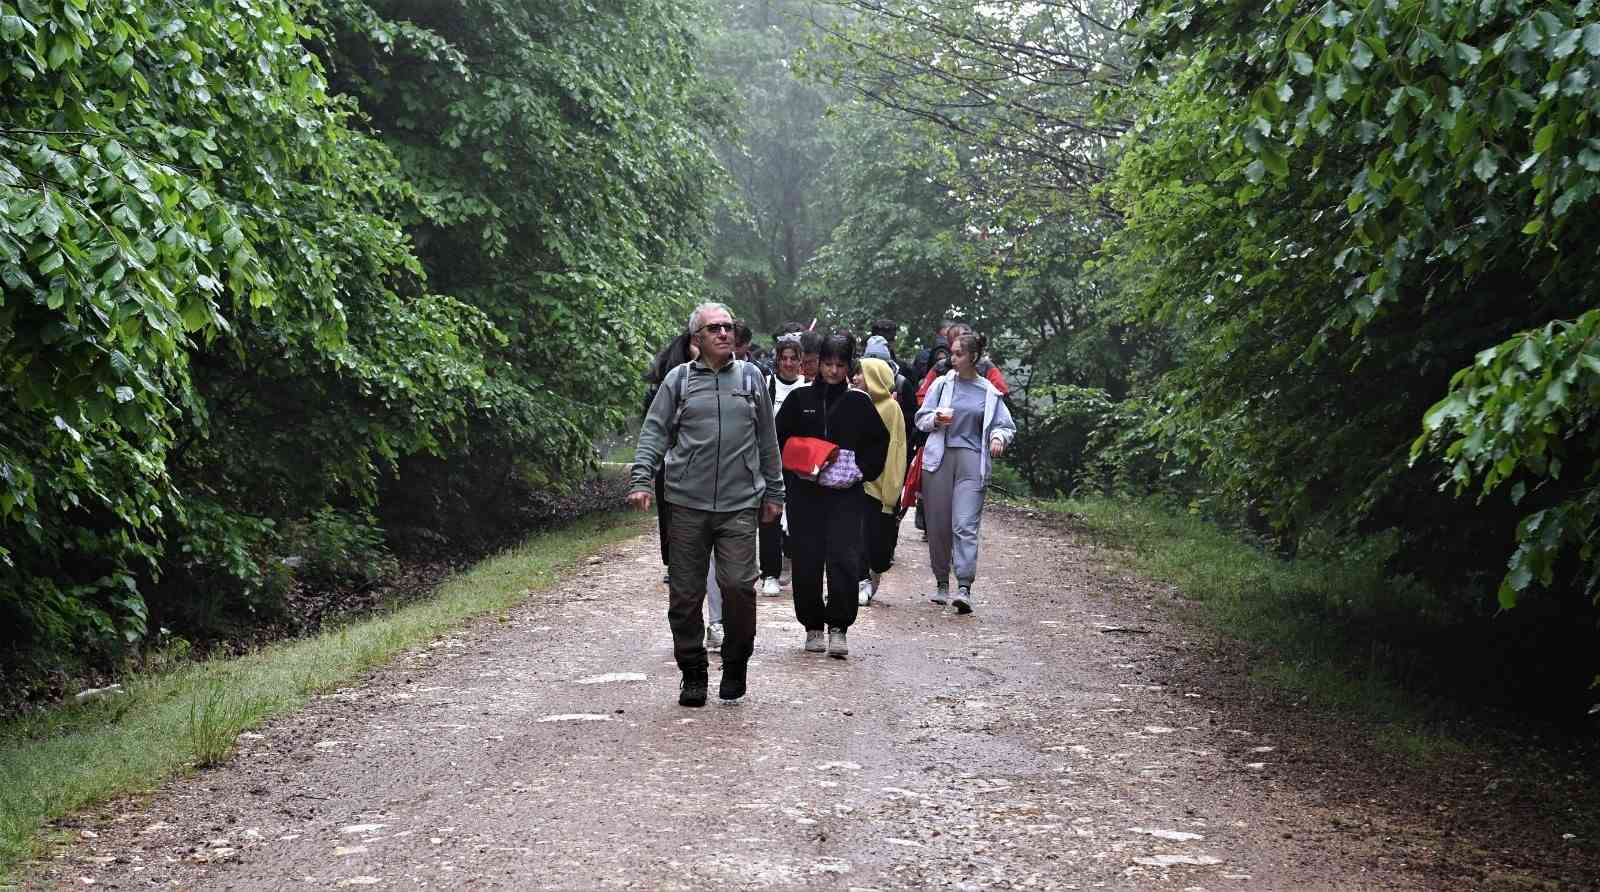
864, 593
714, 636
769, 587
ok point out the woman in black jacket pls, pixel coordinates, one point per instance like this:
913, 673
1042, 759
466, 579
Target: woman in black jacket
826, 532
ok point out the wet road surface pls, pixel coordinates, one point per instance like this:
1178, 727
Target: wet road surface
1041, 742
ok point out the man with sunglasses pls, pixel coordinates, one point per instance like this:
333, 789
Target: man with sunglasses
710, 424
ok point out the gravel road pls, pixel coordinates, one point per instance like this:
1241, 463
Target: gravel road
1047, 741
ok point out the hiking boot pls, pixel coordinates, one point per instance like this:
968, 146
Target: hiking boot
814, 643
838, 647
941, 595
963, 600
714, 637
732, 687
769, 587
692, 690
864, 593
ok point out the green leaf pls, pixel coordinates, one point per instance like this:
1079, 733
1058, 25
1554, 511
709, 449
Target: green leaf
1361, 57
1302, 62
60, 51
1485, 165
1545, 138
1568, 44
1275, 162
1591, 39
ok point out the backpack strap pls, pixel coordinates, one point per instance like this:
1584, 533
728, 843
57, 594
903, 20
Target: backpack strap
682, 371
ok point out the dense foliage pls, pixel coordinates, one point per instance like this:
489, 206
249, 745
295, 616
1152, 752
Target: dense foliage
1314, 267
1405, 192
247, 312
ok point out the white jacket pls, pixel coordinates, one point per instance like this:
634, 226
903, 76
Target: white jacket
997, 423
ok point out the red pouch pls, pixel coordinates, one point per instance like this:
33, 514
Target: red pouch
808, 456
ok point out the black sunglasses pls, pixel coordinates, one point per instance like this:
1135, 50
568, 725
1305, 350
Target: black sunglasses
718, 327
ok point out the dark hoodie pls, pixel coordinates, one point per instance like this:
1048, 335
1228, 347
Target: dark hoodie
841, 416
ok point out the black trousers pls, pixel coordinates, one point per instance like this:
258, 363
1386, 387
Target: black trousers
694, 536
662, 510
825, 541
772, 549
881, 532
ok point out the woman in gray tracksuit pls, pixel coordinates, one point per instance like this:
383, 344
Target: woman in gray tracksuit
968, 425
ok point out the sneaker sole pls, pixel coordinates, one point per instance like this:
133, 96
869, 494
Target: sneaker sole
962, 607
839, 655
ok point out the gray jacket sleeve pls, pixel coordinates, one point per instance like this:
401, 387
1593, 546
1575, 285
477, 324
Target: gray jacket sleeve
652, 448
767, 440
1002, 428
930, 403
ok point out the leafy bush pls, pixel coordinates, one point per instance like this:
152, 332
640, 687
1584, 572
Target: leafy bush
221, 573
332, 549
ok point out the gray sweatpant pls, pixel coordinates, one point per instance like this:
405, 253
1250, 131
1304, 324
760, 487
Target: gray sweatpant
953, 500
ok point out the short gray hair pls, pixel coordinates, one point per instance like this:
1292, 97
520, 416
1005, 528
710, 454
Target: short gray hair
701, 311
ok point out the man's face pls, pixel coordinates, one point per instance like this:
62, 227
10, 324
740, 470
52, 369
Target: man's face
715, 337
808, 366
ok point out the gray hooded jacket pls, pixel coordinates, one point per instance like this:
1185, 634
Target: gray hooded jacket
724, 456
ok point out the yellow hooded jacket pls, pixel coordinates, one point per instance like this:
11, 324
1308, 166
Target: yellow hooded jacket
880, 386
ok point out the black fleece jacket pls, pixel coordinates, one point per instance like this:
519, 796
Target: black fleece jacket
839, 415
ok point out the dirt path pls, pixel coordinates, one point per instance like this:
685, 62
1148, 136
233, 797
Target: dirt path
1032, 745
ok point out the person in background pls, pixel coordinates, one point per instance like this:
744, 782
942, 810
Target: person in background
825, 515
910, 401
712, 430
810, 344
784, 380
985, 368
743, 340
674, 353
968, 426
882, 512
888, 330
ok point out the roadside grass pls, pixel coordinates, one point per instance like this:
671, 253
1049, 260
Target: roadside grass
59, 761
1308, 616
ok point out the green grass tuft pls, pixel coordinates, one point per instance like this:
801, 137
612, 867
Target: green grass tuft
1306, 615
59, 761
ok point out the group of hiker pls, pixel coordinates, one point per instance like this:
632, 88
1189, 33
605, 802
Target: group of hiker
815, 453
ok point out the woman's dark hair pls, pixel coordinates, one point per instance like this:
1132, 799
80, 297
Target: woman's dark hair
786, 344
840, 345
972, 344
674, 354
